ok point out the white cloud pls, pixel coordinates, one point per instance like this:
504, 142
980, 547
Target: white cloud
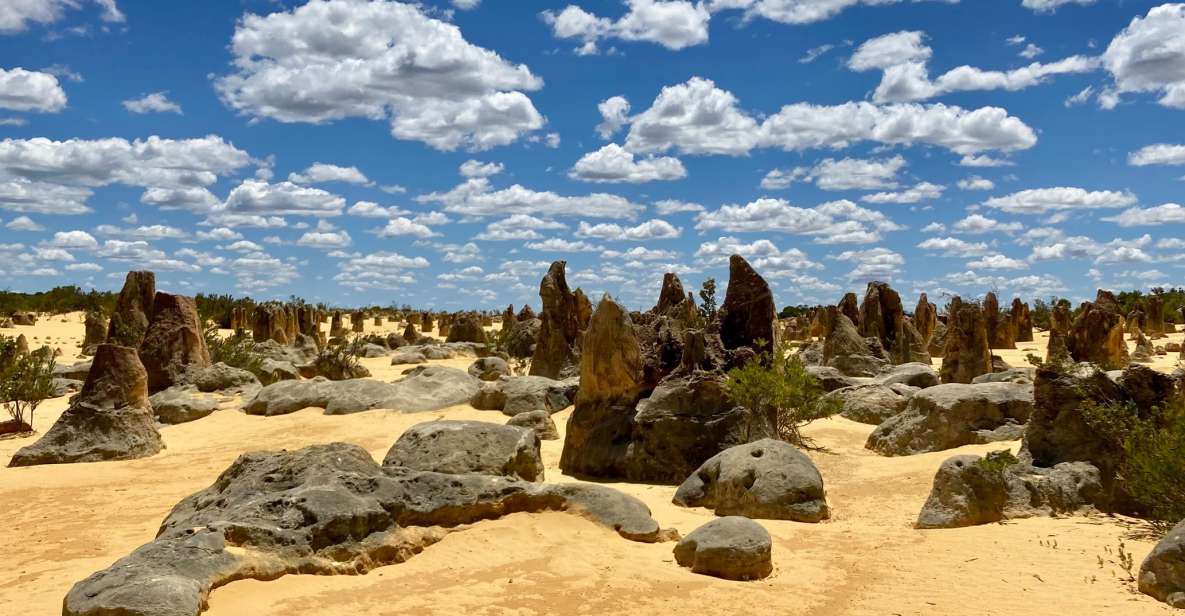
319, 173
1149, 56
338, 59
1031, 51
656, 229
997, 262
475, 197
872, 264
763, 254
23, 223
403, 226
902, 56
922, 191
477, 169
143, 232
22, 90
1081, 97
696, 117
666, 207
934, 227
16, 15
1168, 213
156, 102
1049, 6
1061, 198
324, 239
21, 195
975, 182
977, 223
84, 267
612, 163
466, 5
971, 160
641, 253
255, 197
556, 244
518, 227
614, 114
843, 174
830, 223
80, 240
674, 24
370, 209
1158, 154
954, 247
219, 234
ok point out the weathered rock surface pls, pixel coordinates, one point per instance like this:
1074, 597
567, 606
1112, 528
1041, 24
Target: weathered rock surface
539, 421
173, 343
768, 479
1000, 334
428, 389
489, 368
733, 548
562, 321
467, 328
521, 341
1162, 574
969, 490
953, 415
1096, 335
871, 403
464, 447
967, 354
1022, 320
332, 511
181, 404
747, 315
110, 420
133, 308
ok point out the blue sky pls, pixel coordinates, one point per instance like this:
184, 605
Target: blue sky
442, 154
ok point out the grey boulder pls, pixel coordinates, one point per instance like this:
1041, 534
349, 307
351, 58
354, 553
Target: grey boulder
464, 447
733, 548
181, 404
489, 368
872, 403
953, 415
539, 421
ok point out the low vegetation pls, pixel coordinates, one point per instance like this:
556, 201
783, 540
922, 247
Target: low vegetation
236, 350
58, 300
26, 379
340, 362
778, 385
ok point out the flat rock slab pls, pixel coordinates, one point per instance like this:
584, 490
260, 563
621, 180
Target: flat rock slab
428, 389
733, 548
953, 415
462, 447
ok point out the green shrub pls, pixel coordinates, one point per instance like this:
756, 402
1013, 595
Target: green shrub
997, 461
236, 350
778, 386
1154, 470
26, 379
707, 296
340, 362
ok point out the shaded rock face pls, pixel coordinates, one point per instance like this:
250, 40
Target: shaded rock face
880, 312
523, 338
1155, 325
1162, 574
1022, 320
937, 346
173, 343
952, 415
1060, 431
672, 294
95, 331
467, 328
429, 388
24, 318
1096, 335
328, 510
925, 318
524, 394
358, 322
733, 548
999, 325
967, 354
508, 318
488, 368
844, 349
1056, 350
336, 327
133, 308
110, 419
969, 490
849, 306
563, 319
747, 314
610, 386
766, 479
464, 447
617, 431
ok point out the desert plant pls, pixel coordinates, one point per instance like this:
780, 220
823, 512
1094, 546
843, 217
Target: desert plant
778, 386
26, 379
236, 350
340, 362
1154, 468
997, 461
707, 296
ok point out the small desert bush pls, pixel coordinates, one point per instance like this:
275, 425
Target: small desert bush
778, 386
997, 461
236, 350
340, 362
26, 379
1154, 468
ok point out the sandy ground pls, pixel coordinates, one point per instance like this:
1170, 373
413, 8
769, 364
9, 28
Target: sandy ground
65, 522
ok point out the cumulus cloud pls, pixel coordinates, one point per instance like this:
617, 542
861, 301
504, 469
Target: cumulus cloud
556, 244
674, 24
696, 117
975, 182
1168, 213
978, 224
666, 207
656, 229
843, 174
954, 247
78, 240
1049, 6
23, 223
1149, 56
403, 226
157, 102
830, 223
476, 197
922, 191
319, 173
997, 262
1158, 154
370, 209
324, 239
872, 264
1060, 198
17, 15
612, 163
614, 114
477, 169
259, 198
22, 90
337, 59
902, 56
518, 227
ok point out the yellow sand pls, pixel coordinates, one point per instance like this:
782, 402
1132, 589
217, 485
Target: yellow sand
62, 523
